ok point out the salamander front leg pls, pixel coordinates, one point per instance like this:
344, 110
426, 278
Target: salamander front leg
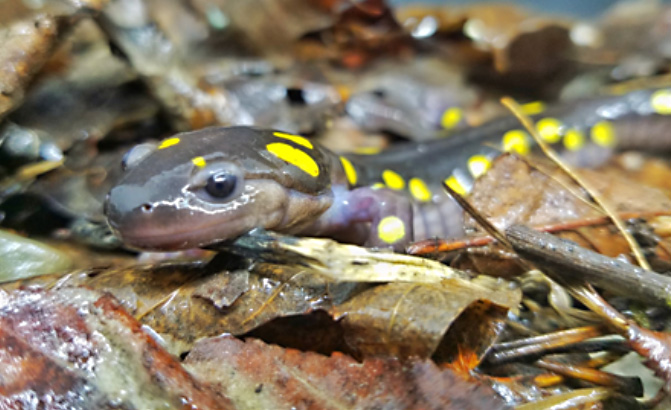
373, 217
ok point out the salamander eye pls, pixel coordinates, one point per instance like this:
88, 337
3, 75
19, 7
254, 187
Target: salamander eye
221, 185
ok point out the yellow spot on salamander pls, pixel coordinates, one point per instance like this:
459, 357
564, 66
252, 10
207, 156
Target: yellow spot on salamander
169, 142
367, 150
661, 102
533, 108
516, 141
295, 138
456, 186
350, 172
451, 118
295, 157
378, 185
419, 190
574, 140
393, 180
391, 229
199, 162
603, 134
549, 129
478, 165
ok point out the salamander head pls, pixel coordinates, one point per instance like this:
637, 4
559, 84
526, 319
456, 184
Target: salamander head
202, 187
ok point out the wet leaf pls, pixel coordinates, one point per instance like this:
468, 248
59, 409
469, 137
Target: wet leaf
24, 47
449, 319
84, 93
360, 34
255, 19
256, 375
22, 257
77, 348
186, 302
512, 192
510, 39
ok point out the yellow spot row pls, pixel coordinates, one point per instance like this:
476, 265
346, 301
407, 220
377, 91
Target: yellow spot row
518, 141
477, 166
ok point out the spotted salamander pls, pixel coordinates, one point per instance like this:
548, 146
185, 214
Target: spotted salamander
199, 188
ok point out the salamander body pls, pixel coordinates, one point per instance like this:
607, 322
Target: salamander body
202, 187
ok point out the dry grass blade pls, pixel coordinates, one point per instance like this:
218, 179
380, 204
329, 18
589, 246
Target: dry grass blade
552, 155
466, 206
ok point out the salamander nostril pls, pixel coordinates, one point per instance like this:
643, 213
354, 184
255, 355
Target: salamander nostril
146, 207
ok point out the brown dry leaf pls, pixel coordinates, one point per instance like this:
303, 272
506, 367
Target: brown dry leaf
186, 302
362, 33
257, 20
257, 376
76, 348
512, 39
24, 48
406, 319
512, 192
649, 170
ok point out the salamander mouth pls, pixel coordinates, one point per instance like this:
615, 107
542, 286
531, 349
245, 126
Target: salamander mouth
168, 241
150, 238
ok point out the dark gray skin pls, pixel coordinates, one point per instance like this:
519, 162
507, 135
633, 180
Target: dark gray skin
162, 202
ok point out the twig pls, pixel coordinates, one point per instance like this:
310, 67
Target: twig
466, 206
564, 260
556, 342
621, 384
438, 245
595, 196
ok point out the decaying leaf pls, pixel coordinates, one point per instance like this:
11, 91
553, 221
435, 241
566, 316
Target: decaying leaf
257, 19
514, 40
447, 320
255, 376
515, 192
24, 47
22, 257
186, 302
77, 348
